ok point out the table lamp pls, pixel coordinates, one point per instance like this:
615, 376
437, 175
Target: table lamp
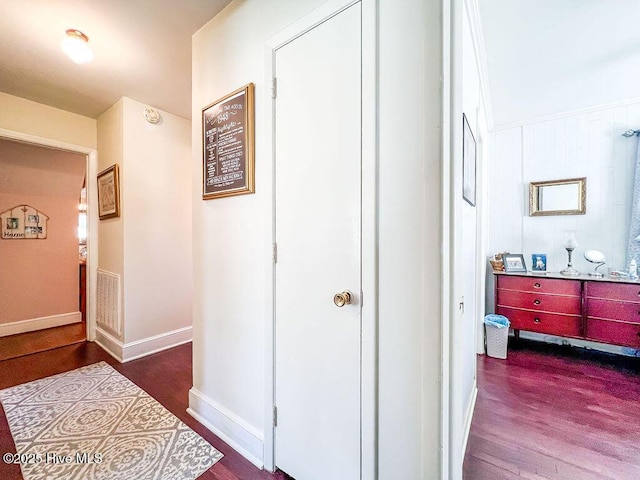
570, 243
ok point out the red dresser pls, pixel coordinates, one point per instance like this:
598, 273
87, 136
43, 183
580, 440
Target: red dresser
612, 313
601, 310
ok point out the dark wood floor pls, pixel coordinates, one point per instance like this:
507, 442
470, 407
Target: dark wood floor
552, 412
166, 376
41, 340
546, 412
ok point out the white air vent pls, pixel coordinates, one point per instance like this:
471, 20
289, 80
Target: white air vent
108, 302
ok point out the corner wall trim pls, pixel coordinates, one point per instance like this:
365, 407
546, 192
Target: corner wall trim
244, 438
155, 344
110, 344
125, 352
40, 323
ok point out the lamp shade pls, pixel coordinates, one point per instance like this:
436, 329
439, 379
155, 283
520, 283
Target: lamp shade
570, 240
75, 45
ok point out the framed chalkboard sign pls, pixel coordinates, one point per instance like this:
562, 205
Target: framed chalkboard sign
228, 145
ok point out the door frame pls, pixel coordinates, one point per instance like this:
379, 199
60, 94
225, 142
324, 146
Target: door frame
369, 247
91, 170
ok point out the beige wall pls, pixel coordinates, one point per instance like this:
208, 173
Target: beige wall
110, 231
24, 116
156, 188
228, 233
39, 278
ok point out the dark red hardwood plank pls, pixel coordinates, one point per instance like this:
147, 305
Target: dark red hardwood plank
556, 412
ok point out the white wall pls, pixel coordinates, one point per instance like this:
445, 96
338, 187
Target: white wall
232, 255
471, 106
467, 272
410, 220
585, 56
575, 145
470, 227
150, 244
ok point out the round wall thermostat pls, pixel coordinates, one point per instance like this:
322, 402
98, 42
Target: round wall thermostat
151, 115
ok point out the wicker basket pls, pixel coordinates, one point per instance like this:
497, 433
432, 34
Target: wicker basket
496, 339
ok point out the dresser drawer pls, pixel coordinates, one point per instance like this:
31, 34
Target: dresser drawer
619, 333
553, 324
614, 291
542, 285
613, 310
540, 301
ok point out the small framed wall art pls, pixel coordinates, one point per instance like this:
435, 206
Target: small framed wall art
23, 222
228, 145
514, 262
468, 163
108, 193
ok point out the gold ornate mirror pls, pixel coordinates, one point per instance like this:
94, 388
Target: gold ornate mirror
558, 197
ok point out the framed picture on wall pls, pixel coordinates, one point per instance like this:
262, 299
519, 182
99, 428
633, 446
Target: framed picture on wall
108, 193
468, 163
228, 145
514, 262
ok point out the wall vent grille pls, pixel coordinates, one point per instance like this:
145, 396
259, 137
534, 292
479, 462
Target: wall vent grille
108, 302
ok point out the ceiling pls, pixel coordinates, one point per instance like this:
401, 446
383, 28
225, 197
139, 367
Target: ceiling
142, 50
550, 56
543, 56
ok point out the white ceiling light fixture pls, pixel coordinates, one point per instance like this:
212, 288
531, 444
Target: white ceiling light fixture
76, 45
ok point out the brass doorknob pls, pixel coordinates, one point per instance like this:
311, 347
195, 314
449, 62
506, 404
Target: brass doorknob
343, 298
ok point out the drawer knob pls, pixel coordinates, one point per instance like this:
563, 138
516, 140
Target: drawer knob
536, 302
537, 320
537, 285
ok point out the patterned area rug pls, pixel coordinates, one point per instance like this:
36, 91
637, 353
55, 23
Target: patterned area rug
93, 423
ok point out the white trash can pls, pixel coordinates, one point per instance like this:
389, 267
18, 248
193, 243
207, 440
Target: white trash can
496, 330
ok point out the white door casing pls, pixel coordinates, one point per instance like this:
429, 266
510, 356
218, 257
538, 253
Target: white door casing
318, 224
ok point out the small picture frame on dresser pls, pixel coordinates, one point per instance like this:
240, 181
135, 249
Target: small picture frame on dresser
514, 262
539, 263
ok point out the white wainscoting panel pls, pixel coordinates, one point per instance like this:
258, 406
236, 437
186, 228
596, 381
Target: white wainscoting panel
581, 145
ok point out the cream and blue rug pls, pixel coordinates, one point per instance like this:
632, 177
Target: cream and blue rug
92, 423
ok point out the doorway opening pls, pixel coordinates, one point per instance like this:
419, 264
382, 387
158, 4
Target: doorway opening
52, 293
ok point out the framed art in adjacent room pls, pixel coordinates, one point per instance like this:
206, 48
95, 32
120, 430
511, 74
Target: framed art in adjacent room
514, 262
108, 193
468, 163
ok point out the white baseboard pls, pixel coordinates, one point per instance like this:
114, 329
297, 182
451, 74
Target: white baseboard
157, 343
109, 343
125, 352
469, 418
40, 323
244, 438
